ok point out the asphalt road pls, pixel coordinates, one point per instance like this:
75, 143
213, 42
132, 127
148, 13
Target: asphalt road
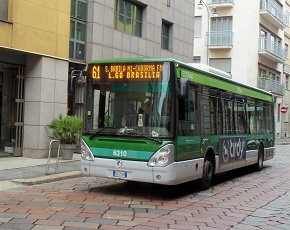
240, 199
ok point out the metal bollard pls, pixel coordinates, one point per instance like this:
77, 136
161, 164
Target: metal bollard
49, 156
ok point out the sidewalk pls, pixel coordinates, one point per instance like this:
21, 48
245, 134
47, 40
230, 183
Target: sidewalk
282, 141
21, 171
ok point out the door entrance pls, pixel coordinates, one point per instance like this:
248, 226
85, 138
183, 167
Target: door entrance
11, 109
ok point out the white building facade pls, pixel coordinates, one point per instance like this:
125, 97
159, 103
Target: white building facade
247, 40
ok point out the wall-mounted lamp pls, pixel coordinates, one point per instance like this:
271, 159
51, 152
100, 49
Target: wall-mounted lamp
215, 14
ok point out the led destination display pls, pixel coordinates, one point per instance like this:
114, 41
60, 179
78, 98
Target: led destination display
127, 72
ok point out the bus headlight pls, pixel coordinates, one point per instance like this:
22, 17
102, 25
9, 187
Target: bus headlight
163, 156
86, 154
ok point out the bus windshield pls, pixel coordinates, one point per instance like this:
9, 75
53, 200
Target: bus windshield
137, 108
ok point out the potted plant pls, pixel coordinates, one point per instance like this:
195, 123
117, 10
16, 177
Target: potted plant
265, 76
67, 130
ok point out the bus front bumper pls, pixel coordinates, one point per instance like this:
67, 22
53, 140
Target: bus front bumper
132, 171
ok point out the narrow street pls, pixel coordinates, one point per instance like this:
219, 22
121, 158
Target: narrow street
241, 199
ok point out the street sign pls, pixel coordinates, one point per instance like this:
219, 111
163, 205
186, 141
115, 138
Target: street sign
283, 109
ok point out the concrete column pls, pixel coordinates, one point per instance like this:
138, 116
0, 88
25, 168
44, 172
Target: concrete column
45, 98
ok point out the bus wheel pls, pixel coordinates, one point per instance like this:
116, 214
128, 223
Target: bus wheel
260, 162
207, 174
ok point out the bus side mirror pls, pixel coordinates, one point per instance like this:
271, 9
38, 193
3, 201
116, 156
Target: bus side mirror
77, 77
182, 85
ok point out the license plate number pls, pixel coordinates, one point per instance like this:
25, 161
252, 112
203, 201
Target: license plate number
120, 174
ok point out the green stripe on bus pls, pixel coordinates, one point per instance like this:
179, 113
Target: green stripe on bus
223, 84
123, 154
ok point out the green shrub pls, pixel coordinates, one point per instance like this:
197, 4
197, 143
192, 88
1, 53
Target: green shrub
66, 129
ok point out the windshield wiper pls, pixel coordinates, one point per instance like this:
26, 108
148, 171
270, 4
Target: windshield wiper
157, 140
99, 131
128, 132
96, 133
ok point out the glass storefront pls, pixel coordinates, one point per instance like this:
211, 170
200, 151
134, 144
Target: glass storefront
11, 109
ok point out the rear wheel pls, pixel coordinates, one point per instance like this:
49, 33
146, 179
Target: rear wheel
260, 163
207, 175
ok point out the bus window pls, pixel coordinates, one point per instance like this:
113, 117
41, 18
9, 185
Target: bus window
129, 118
240, 116
260, 117
251, 117
213, 99
268, 117
205, 117
220, 116
227, 113
188, 113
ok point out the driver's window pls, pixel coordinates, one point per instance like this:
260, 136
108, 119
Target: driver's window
129, 118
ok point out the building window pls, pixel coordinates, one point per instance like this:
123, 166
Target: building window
262, 73
4, 9
221, 24
128, 17
221, 31
165, 35
223, 64
78, 29
263, 39
286, 82
197, 26
196, 59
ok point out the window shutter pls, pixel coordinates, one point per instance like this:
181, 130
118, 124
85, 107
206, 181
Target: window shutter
223, 64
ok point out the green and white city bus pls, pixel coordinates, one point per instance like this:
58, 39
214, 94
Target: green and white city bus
185, 123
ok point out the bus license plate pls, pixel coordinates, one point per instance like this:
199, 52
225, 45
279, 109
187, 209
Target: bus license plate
119, 174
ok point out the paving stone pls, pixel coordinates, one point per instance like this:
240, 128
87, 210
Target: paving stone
66, 205
22, 221
67, 218
4, 219
114, 208
21, 226
102, 221
14, 215
159, 211
43, 227
98, 207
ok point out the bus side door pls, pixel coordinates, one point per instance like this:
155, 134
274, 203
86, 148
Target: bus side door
188, 141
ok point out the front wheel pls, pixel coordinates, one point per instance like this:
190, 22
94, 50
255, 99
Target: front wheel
207, 175
260, 163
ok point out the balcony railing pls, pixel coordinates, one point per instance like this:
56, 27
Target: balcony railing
268, 46
220, 2
270, 85
219, 39
275, 11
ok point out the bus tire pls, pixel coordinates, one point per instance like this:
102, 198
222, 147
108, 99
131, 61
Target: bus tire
260, 163
207, 175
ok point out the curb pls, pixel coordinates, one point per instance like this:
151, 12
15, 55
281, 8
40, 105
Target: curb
283, 143
47, 178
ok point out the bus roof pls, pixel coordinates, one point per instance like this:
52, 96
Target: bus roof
203, 69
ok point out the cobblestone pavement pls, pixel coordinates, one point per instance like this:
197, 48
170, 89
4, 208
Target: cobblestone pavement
241, 199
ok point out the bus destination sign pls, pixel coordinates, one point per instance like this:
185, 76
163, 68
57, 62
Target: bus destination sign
127, 72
